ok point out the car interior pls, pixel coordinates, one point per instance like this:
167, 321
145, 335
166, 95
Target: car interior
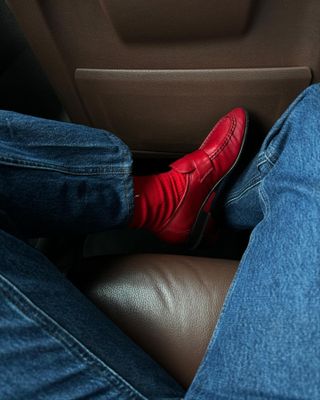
158, 74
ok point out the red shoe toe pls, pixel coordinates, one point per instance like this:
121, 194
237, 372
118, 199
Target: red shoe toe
204, 169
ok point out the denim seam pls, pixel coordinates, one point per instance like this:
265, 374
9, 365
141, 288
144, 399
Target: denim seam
202, 370
270, 156
66, 170
65, 338
240, 193
128, 186
264, 199
255, 180
263, 161
269, 159
202, 373
124, 150
272, 153
129, 204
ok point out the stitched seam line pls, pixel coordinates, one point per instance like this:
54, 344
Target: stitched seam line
264, 199
227, 139
202, 372
244, 191
72, 171
272, 153
221, 148
235, 193
269, 160
54, 329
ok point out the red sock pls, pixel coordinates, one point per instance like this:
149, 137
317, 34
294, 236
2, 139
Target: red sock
156, 198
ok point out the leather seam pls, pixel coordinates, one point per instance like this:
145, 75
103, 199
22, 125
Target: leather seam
227, 139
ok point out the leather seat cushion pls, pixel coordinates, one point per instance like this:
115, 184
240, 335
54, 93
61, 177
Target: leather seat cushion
167, 304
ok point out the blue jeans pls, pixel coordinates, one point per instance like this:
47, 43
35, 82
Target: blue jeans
55, 344
266, 344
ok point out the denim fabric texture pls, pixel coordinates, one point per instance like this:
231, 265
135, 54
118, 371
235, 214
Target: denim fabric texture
266, 344
58, 177
54, 344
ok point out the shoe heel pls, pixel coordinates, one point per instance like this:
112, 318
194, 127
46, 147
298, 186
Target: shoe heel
207, 216
203, 222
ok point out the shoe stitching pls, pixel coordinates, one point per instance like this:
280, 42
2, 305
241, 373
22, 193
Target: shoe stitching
218, 151
212, 156
227, 139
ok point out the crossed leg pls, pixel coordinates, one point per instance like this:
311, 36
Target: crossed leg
267, 342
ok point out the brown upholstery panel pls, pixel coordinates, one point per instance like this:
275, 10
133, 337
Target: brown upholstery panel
182, 104
73, 37
177, 20
168, 304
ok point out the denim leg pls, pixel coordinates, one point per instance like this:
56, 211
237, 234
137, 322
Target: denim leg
242, 209
267, 342
242, 206
59, 177
55, 344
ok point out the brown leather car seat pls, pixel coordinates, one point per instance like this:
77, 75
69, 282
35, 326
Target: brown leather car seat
168, 304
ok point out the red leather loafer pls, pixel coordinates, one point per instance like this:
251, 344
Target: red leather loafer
204, 169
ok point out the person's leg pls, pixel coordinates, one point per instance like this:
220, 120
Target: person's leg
53, 342
59, 177
55, 177
176, 205
266, 344
242, 207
